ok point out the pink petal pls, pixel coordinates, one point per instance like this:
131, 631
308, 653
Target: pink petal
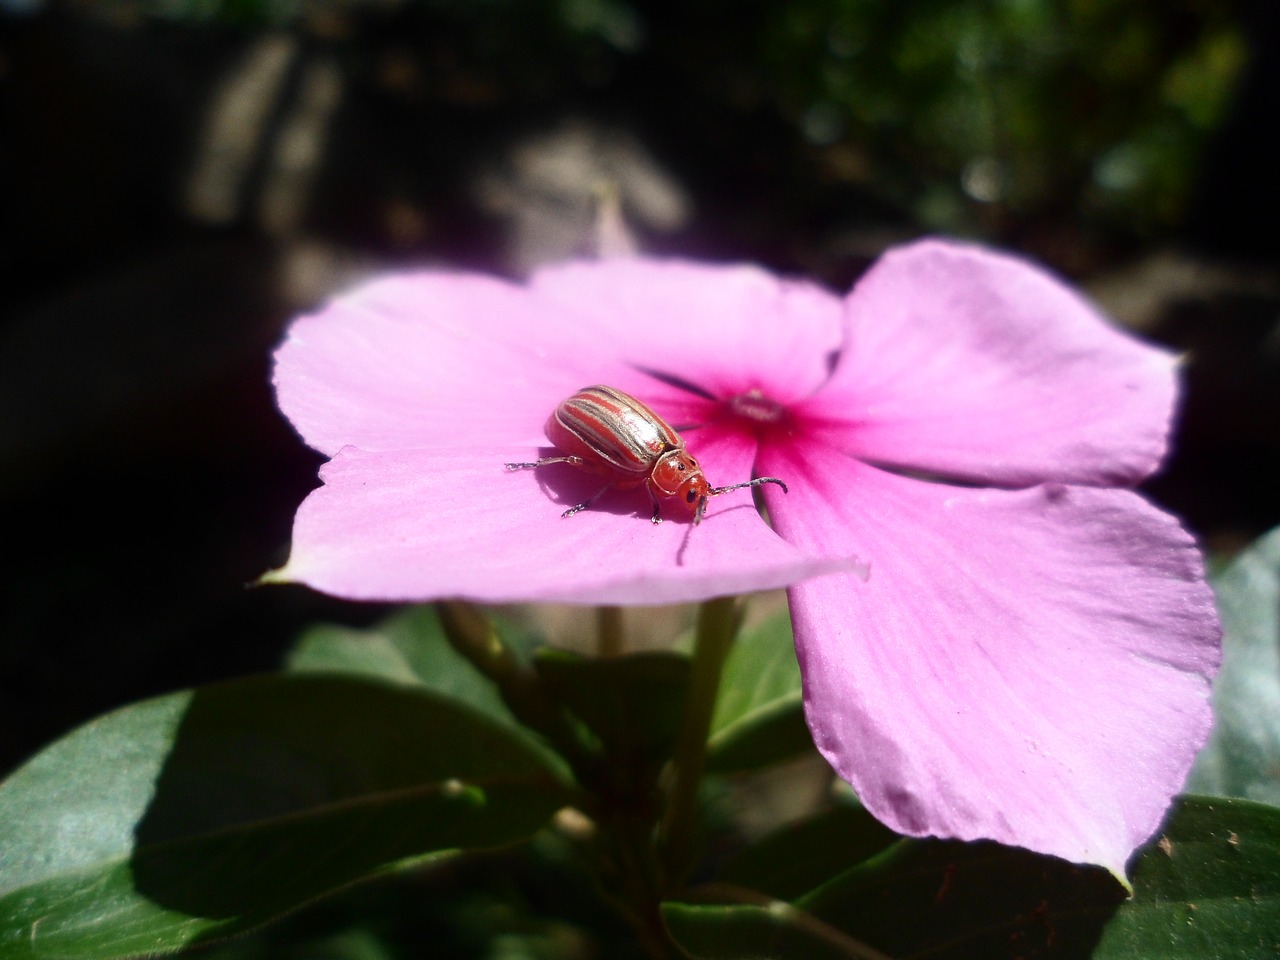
1027, 666
439, 358
419, 524
429, 359
968, 363
727, 329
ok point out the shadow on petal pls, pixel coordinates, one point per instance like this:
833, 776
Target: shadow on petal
567, 486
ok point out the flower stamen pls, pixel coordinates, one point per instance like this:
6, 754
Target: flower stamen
755, 406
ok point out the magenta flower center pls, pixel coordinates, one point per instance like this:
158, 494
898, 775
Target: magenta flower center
757, 408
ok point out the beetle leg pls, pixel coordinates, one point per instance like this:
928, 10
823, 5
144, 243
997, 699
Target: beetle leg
579, 507
571, 460
657, 508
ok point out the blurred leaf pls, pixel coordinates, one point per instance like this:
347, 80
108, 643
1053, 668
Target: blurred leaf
759, 717
349, 945
797, 858
1209, 886
1242, 757
465, 908
954, 899
777, 931
631, 704
201, 814
920, 898
408, 647
973, 114
247, 13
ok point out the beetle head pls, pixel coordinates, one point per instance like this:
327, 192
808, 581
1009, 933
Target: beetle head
678, 476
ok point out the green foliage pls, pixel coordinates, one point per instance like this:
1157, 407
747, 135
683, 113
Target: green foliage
961, 111
968, 115
245, 12
209, 812
759, 717
630, 706
918, 898
410, 648
1209, 885
802, 856
1242, 758
182, 820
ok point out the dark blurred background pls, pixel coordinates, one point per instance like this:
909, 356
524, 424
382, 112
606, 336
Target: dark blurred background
179, 177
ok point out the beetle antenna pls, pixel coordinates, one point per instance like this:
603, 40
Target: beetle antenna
716, 491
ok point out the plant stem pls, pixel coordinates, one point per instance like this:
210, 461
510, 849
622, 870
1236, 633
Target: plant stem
473, 636
609, 633
717, 625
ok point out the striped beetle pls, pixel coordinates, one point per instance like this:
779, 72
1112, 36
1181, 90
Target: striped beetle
604, 431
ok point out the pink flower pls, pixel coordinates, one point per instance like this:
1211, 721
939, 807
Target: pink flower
998, 639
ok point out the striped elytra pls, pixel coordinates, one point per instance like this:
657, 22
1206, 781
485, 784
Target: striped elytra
607, 432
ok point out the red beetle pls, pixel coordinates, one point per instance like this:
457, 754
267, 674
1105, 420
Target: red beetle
608, 432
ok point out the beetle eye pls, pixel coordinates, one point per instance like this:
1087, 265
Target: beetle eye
691, 496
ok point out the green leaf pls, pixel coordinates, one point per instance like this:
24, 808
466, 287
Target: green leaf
759, 717
631, 704
799, 857
205, 813
1209, 886
356, 944
408, 647
1242, 757
940, 899
953, 899
750, 932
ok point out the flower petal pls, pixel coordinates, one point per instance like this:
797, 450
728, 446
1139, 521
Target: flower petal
433, 359
416, 524
438, 359
726, 329
1027, 666
968, 363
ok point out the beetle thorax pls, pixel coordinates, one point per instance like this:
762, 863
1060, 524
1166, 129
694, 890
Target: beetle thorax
677, 476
